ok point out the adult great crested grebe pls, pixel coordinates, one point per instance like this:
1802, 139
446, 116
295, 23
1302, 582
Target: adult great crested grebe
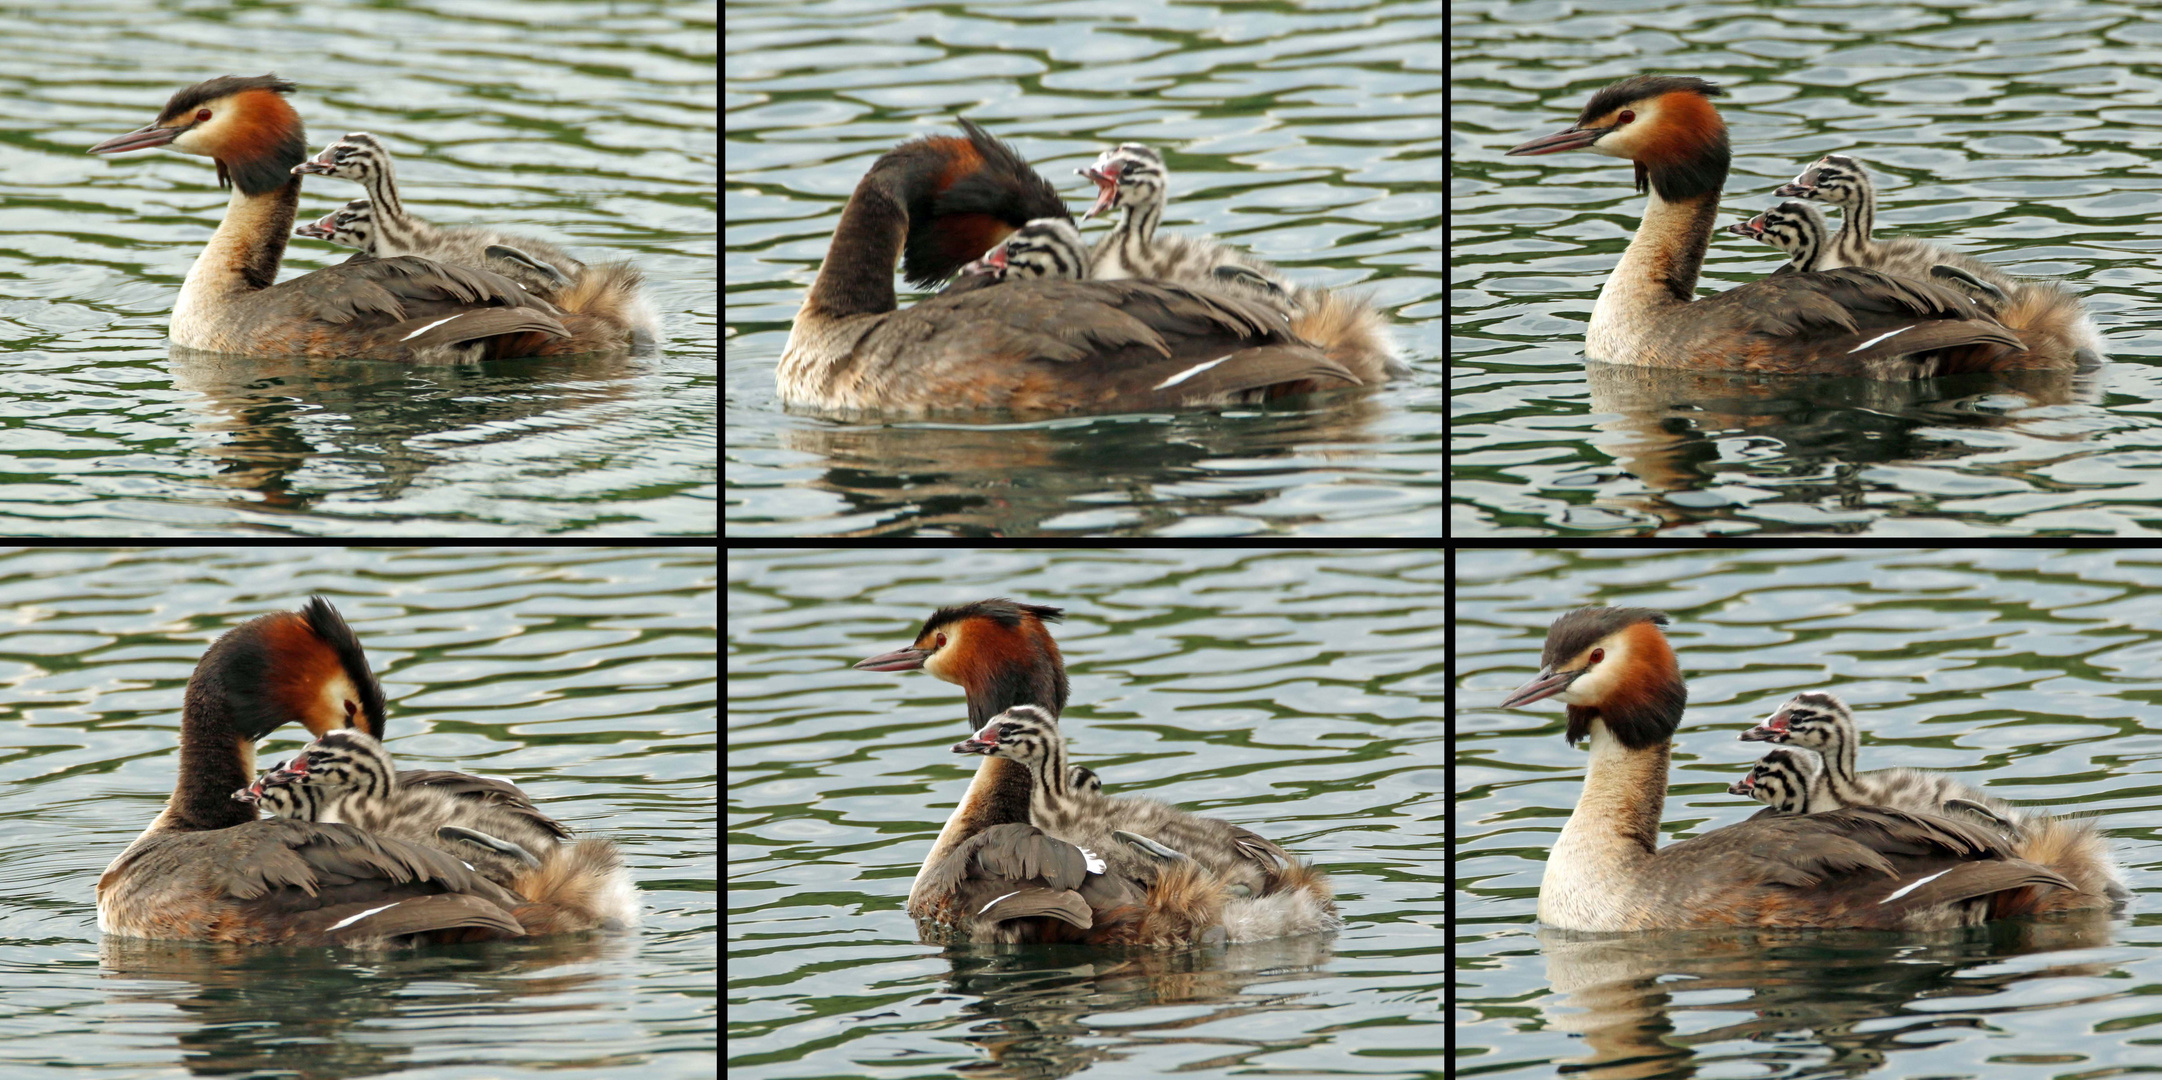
1859, 867
1039, 346
407, 308
1044, 248
1848, 321
1002, 654
207, 870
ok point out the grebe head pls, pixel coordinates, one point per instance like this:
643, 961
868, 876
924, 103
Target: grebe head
242, 122
961, 197
1043, 248
352, 225
359, 156
1612, 665
1022, 733
1781, 780
1794, 227
996, 650
1130, 175
301, 666
1665, 123
1812, 720
1834, 178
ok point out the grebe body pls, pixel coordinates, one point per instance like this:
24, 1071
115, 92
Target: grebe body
1133, 178
604, 304
1859, 867
1033, 346
392, 309
1837, 322
2046, 316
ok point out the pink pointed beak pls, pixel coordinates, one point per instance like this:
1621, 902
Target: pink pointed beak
1574, 138
1107, 190
1547, 684
909, 659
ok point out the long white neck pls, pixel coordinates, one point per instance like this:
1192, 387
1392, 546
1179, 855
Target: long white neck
1597, 864
1656, 277
242, 257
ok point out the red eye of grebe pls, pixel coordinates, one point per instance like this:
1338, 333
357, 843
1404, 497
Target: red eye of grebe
1598, 655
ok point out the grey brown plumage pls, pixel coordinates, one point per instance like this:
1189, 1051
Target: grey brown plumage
999, 878
2050, 321
1134, 178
